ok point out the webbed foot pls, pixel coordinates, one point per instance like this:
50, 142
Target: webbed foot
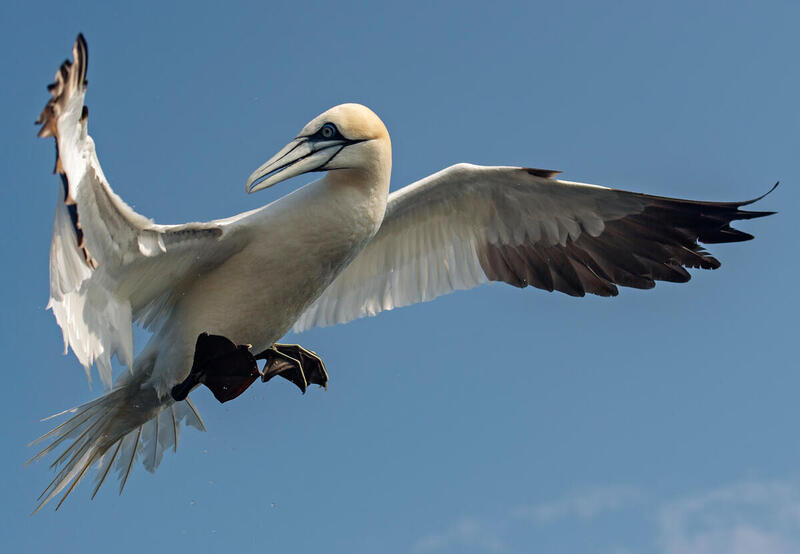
295, 363
224, 367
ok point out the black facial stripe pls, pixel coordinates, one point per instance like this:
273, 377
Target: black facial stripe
292, 149
284, 166
335, 154
318, 136
297, 160
342, 147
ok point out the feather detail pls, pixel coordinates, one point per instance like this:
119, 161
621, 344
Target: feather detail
107, 432
108, 264
468, 225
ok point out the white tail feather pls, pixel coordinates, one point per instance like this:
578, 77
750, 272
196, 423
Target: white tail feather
107, 431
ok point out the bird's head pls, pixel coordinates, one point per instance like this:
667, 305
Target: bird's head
346, 137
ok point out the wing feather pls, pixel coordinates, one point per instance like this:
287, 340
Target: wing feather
468, 225
108, 264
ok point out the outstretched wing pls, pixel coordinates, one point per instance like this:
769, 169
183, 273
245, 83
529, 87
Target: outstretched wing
108, 264
468, 225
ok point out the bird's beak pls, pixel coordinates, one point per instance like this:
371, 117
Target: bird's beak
299, 156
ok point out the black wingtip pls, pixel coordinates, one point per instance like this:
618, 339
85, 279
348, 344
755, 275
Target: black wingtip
80, 53
749, 214
543, 173
71, 76
754, 200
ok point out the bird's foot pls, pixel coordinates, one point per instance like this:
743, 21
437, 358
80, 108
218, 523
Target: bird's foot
293, 362
226, 368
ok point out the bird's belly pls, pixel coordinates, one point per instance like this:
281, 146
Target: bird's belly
257, 295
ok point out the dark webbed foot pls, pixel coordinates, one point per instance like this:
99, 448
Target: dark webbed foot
229, 369
293, 362
224, 367
278, 363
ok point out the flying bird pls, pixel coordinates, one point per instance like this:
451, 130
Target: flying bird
217, 296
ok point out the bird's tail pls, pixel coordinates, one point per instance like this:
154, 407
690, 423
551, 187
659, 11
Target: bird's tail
126, 423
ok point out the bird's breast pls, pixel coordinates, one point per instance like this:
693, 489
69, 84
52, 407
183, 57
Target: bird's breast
297, 248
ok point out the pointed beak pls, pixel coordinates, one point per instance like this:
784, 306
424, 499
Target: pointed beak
299, 156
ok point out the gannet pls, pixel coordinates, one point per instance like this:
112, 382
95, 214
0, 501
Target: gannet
218, 295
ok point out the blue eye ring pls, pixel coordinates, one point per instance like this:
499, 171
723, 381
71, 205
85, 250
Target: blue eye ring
328, 131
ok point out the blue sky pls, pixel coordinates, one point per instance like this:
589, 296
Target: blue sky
492, 420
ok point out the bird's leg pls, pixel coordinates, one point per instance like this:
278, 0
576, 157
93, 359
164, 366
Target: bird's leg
295, 363
228, 369
224, 367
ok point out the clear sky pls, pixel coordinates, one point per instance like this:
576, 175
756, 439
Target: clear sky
493, 420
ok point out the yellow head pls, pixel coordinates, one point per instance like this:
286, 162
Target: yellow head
346, 137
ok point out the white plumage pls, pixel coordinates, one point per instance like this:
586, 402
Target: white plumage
337, 249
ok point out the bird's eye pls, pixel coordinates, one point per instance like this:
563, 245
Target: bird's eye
328, 131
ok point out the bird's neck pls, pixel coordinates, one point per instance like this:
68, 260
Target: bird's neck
364, 191
370, 183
